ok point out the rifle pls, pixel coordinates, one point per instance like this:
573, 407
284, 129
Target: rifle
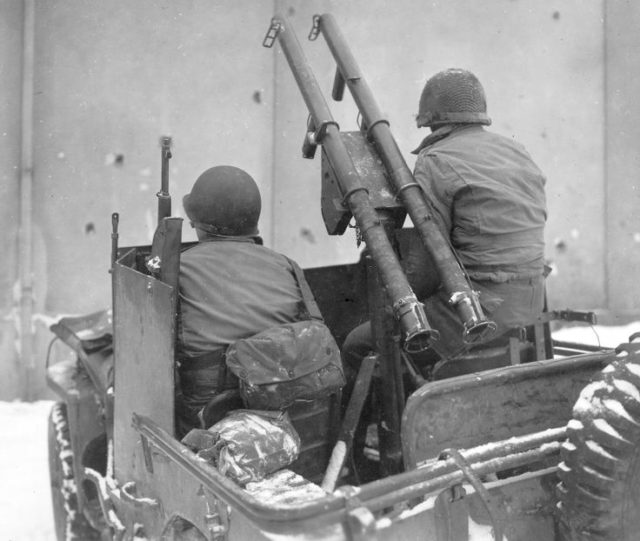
164, 260
115, 220
454, 280
164, 199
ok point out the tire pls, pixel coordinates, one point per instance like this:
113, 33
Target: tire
69, 522
599, 489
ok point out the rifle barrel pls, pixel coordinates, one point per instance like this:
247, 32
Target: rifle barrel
164, 198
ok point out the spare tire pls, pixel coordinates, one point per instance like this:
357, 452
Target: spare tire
599, 492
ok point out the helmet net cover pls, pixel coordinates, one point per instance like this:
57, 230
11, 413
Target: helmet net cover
453, 96
224, 200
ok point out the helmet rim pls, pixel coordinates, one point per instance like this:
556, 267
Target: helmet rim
224, 200
452, 96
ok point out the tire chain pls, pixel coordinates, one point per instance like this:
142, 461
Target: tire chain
68, 489
601, 453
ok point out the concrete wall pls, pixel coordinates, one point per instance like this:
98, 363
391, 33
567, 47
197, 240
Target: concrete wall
622, 164
10, 135
112, 77
542, 67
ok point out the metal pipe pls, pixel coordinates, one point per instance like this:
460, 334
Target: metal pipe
406, 307
445, 480
26, 202
476, 326
577, 347
388, 386
349, 423
377, 495
483, 453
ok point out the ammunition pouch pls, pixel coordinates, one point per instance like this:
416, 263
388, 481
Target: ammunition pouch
290, 362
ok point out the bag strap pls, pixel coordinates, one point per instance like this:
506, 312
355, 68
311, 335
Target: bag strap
308, 299
207, 360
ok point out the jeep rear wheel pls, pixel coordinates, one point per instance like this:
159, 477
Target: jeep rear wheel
599, 491
69, 522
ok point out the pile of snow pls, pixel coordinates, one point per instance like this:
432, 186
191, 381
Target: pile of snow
25, 498
597, 335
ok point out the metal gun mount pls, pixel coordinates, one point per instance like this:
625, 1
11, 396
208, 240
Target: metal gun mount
345, 188
403, 185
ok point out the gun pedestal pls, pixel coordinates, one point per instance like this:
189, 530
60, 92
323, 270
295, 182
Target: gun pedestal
389, 384
454, 280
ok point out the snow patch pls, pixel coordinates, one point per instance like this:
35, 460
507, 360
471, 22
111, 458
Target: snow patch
587, 402
627, 388
25, 498
574, 424
617, 408
596, 474
595, 447
634, 368
605, 427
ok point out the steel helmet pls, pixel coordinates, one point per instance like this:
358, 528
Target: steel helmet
224, 200
453, 96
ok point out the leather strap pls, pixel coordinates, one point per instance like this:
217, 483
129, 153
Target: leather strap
307, 295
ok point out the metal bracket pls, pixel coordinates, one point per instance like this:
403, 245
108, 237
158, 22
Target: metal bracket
451, 514
272, 34
475, 482
315, 29
216, 517
362, 524
630, 348
146, 453
568, 315
106, 504
360, 521
373, 125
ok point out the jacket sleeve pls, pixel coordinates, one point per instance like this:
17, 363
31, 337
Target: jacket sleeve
440, 187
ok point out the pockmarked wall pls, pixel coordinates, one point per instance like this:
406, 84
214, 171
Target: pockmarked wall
11, 15
622, 159
542, 67
111, 78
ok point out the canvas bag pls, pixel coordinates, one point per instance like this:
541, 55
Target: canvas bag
289, 362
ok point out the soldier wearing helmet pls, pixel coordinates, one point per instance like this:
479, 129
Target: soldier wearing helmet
489, 200
487, 195
230, 286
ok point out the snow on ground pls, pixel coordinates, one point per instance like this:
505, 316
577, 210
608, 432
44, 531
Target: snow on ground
25, 499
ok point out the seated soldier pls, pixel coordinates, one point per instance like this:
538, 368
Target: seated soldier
489, 201
230, 286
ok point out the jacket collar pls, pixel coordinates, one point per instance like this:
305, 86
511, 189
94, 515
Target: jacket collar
442, 133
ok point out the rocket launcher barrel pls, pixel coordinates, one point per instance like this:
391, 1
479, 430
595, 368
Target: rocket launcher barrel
407, 309
461, 295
